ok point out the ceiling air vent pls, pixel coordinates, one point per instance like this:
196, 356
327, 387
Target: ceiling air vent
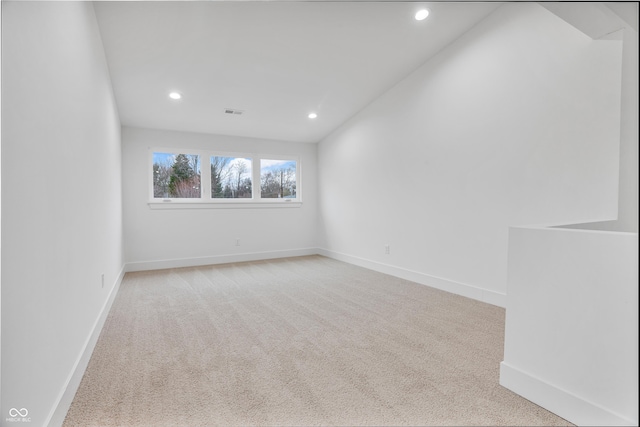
233, 111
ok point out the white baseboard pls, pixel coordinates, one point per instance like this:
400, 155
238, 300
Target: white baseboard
561, 402
59, 412
217, 259
479, 294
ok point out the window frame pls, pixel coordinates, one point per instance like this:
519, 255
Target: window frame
206, 201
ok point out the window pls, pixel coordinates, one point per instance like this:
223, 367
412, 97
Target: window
176, 176
278, 179
230, 179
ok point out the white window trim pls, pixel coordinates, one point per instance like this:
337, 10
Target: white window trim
206, 201
222, 205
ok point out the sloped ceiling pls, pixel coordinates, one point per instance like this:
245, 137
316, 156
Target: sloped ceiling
274, 61
596, 19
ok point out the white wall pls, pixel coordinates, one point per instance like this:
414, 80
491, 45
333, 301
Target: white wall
0, 215
619, 20
517, 122
571, 336
628, 202
157, 238
61, 194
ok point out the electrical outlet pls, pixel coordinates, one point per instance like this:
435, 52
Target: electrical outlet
387, 249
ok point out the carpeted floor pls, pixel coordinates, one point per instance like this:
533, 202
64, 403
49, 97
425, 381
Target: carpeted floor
297, 341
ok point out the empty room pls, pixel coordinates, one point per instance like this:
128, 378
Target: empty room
296, 213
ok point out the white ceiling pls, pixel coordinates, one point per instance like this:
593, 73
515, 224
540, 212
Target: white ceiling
276, 61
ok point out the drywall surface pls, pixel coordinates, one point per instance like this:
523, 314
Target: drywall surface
61, 194
628, 202
517, 122
615, 20
174, 237
0, 213
571, 335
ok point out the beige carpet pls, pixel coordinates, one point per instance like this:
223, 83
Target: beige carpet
297, 341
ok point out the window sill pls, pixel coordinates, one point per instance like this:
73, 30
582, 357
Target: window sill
222, 205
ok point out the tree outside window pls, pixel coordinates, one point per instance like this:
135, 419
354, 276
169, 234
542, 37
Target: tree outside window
278, 179
176, 176
231, 178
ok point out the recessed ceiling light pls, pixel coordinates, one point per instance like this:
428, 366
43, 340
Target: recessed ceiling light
312, 115
175, 95
422, 14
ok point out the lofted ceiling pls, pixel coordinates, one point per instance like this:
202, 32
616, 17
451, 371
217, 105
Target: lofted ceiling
274, 61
